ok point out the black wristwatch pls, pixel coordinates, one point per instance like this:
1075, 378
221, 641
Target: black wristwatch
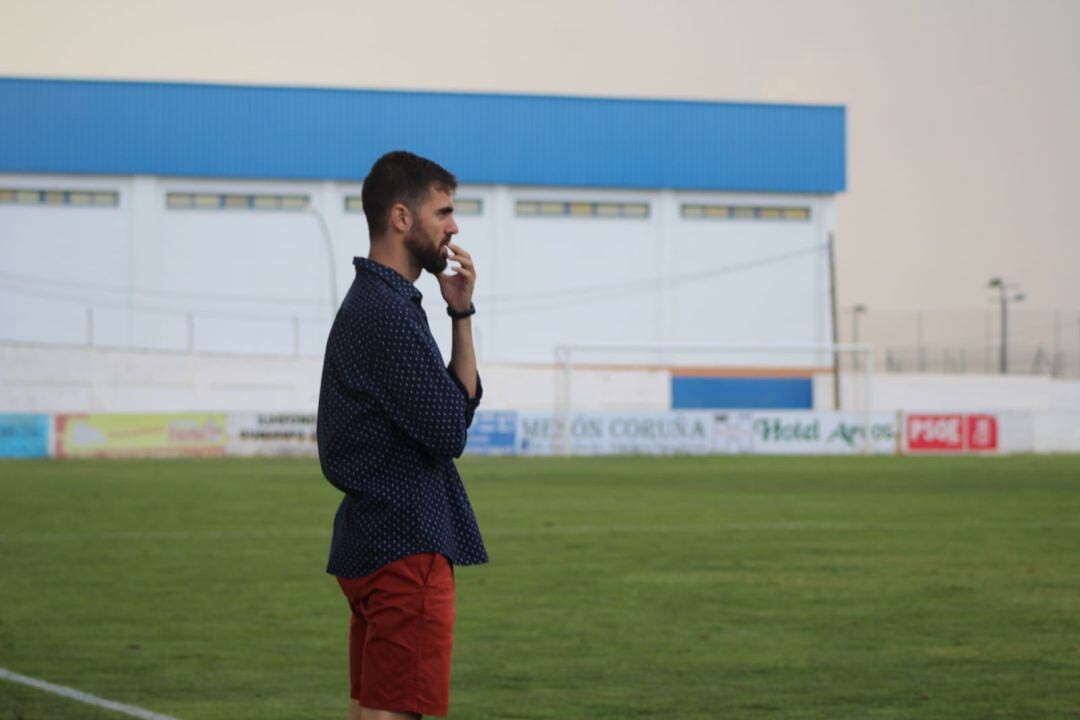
461, 315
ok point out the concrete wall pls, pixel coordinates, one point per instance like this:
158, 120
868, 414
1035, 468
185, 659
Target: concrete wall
1056, 431
60, 379
50, 378
47, 378
930, 392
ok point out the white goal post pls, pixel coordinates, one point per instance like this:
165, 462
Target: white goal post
588, 376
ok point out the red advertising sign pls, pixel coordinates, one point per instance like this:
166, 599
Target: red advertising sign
935, 432
982, 432
952, 432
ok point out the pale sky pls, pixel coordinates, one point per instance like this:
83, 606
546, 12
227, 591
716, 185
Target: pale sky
963, 115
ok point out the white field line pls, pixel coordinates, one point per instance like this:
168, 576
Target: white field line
790, 526
80, 696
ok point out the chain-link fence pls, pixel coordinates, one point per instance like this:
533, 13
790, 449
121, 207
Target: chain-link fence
1038, 342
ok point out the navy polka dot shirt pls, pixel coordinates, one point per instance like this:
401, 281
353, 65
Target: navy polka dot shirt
391, 419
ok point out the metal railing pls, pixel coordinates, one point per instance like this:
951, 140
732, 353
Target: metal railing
1040, 342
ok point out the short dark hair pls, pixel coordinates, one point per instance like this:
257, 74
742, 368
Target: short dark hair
401, 177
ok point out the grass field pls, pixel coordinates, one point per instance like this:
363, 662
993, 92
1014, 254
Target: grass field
618, 588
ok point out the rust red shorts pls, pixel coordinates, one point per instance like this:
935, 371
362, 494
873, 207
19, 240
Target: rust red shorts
401, 634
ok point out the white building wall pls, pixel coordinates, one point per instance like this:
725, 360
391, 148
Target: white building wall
746, 282
572, 280
256, 282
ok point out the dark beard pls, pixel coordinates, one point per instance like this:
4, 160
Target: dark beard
431, 258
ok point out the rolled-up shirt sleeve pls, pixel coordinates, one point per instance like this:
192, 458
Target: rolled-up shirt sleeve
471, 403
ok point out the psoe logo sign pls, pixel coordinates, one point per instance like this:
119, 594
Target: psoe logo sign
952, 432
982, 432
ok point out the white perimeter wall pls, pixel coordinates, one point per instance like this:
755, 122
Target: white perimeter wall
256, 282
44, 378
54, 379
931, 392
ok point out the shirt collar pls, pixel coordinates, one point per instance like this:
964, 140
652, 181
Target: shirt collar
391, 277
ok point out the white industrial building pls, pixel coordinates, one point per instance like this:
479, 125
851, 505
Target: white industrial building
211, 219
171, 264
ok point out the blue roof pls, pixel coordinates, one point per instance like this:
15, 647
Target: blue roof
126, 128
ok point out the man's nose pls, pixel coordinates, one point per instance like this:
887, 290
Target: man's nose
453, 227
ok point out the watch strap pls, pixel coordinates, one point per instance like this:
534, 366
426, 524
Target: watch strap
461, 315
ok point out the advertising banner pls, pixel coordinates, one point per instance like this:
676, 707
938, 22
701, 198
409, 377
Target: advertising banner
24, 436
795, 432
140, 435
707, 432
951, 433
251, 434
615, 433
493, 433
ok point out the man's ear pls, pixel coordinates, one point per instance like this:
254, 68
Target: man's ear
400, 218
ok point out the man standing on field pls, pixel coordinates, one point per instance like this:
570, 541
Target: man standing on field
391, 419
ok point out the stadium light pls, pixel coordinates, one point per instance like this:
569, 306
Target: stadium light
1004, 297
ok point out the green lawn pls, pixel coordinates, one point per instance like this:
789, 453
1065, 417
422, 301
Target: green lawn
618, 588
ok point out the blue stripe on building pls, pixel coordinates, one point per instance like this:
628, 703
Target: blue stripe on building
689, 393
92, 127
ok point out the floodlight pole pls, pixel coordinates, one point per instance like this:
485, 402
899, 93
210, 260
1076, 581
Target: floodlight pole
1003, 287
